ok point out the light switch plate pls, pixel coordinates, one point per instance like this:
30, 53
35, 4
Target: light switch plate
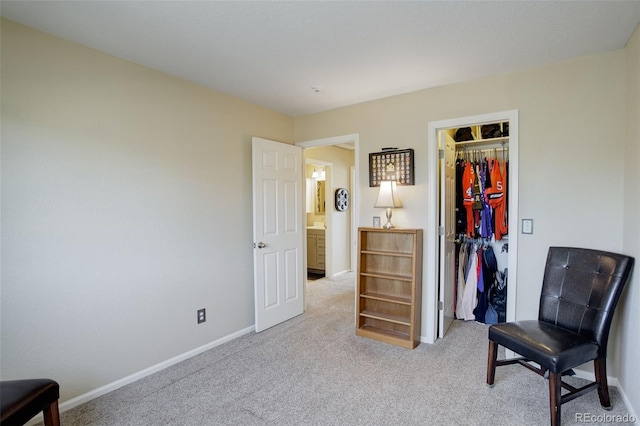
527, 226
376, 221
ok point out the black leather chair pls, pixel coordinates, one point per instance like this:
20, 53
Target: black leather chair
21, 400
580, 290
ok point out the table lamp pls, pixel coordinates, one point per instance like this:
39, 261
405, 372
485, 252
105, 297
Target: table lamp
388, 198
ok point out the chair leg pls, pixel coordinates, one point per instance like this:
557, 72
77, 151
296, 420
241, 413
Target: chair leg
51, 415
491, 363
555, 397
600, 369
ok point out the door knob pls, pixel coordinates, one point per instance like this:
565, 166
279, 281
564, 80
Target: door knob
261, 245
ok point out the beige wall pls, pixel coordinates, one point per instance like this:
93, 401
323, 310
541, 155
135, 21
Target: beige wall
571, 154
629, 373
126, 206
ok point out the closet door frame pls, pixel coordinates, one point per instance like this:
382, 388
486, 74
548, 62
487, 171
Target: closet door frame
430, 298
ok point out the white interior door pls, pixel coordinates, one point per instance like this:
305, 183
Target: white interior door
448, 230
277, 232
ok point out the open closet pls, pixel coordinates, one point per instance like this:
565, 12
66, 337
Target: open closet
481, 241
442, 254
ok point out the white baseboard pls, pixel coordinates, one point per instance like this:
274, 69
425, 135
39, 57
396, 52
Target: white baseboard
611, 381
627, 402
81, 399
589, 375
337, 274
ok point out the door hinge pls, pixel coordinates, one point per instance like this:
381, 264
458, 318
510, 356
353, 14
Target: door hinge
441, 153
440, 305
440, 230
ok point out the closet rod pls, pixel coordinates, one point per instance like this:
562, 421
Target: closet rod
486, 152
503, 148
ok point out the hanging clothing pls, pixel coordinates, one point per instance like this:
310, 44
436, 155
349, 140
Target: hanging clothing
463, 259
488, 199
495, 191
481, 193
496, 198
481, 303
461, 214
467, 185
486, 228
477, 190
485, 282
505, 222
498, 295
469, 298
481, 199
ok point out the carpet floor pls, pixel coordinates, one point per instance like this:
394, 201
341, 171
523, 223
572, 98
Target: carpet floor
314, 370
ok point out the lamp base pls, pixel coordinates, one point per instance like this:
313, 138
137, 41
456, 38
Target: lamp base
388, 225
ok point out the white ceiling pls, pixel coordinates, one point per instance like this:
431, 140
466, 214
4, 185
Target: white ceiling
273, 53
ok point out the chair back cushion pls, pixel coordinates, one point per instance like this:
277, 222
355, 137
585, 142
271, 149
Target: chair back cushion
581, 288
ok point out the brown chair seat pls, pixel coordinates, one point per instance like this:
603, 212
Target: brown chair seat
555, 348
21, 400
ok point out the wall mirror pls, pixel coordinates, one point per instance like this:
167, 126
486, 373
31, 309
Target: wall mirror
319, 198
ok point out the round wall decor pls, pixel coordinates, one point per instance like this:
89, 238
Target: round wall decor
342, 199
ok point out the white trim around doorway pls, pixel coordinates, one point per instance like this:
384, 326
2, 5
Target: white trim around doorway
355, 194
430, 293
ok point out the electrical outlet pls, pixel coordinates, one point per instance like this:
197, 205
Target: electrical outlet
202, 316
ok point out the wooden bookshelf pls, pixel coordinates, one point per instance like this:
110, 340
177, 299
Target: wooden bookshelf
389, 285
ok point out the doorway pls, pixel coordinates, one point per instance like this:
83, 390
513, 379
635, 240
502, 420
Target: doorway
318, 184
434, 299
340, 238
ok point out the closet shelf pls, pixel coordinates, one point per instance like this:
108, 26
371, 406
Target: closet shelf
386, 253
388, 276
387, 298
396, 319
484, 142
372, 332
